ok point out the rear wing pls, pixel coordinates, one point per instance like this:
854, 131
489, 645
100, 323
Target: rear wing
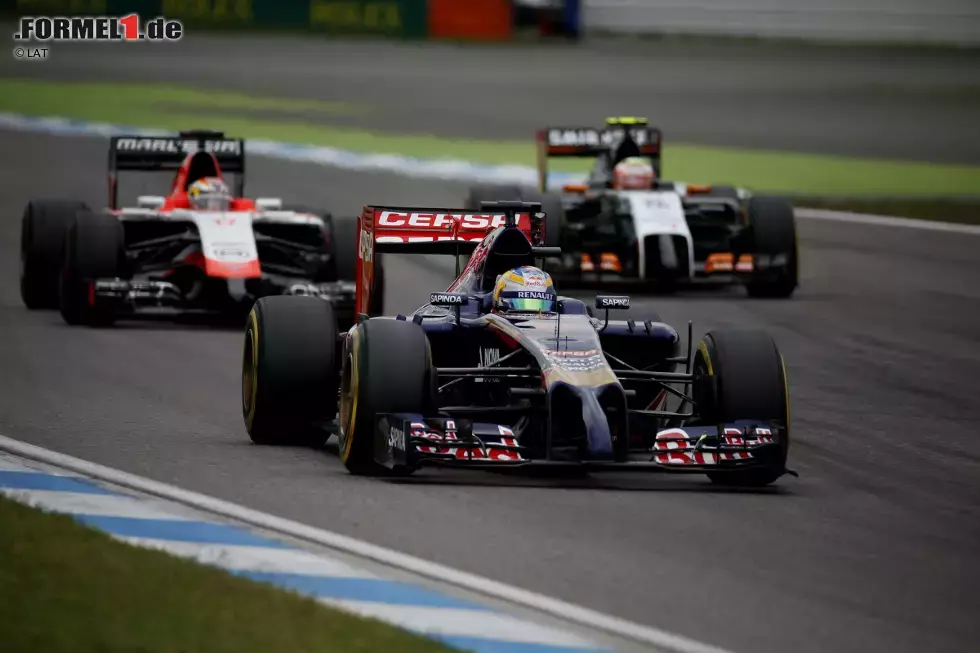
163, 153
591, 142
425, 230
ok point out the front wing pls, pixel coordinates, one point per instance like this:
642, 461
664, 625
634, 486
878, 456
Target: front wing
405, 442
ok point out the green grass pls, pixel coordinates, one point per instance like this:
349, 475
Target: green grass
946, 210
182, 107
68, 588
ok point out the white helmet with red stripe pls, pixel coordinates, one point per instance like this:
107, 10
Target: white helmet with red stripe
633, 173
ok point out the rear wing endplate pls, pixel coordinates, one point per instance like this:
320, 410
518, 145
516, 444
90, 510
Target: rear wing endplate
592, 142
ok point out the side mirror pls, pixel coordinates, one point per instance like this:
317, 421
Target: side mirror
612, 301
150, 201
449, 299
268, 204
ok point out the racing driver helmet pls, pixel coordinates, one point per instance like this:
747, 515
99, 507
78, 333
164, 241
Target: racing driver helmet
633, 173
525, 290
209, 194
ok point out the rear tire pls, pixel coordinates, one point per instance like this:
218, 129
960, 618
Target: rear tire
490, 193
42, 241
773, 225
551, 205
749, 384
554, 212
289, 370
344, 239
328, 270
387, 368
94, 249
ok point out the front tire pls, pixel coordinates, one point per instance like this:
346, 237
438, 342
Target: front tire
773, 225
289, 370
94, 250
740, 375
551, 205
42, 240
387, 368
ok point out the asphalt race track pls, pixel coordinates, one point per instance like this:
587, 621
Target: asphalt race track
872, 548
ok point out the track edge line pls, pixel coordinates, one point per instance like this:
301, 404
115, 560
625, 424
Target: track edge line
358, 548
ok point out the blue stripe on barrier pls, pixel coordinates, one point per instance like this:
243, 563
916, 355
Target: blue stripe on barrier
363, 589
179, 531
41, 481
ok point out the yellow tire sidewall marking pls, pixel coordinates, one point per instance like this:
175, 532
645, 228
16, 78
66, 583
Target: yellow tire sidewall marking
782, 363
703, 348
354, 383
253, 320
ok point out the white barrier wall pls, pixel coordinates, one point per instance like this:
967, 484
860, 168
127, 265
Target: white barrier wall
936, 21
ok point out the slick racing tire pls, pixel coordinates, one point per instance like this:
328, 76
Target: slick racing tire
344, 239
773, 227
94, 249
387, 368
327, 271
345, 252
554, 213
289, 370
42, 241
550, 204
490, 193
740, 374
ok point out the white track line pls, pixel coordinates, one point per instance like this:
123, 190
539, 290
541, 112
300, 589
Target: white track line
10, 464
460, 622
102, 505
253, 558
887, 221
491, 588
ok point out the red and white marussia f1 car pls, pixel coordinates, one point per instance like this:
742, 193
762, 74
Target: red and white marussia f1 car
164, 254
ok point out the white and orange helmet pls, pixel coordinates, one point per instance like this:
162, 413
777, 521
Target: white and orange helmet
633, 173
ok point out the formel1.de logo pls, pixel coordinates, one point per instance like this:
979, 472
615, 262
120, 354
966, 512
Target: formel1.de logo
98, 28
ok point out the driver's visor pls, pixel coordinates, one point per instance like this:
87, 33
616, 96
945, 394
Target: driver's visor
211, 203
529, 305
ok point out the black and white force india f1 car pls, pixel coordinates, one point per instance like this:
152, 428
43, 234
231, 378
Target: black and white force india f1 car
167, 256
666, 236
457, 384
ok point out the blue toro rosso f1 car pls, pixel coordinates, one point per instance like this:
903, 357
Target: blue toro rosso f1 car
487, 377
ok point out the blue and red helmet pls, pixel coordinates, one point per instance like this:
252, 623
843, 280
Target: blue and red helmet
525, 290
